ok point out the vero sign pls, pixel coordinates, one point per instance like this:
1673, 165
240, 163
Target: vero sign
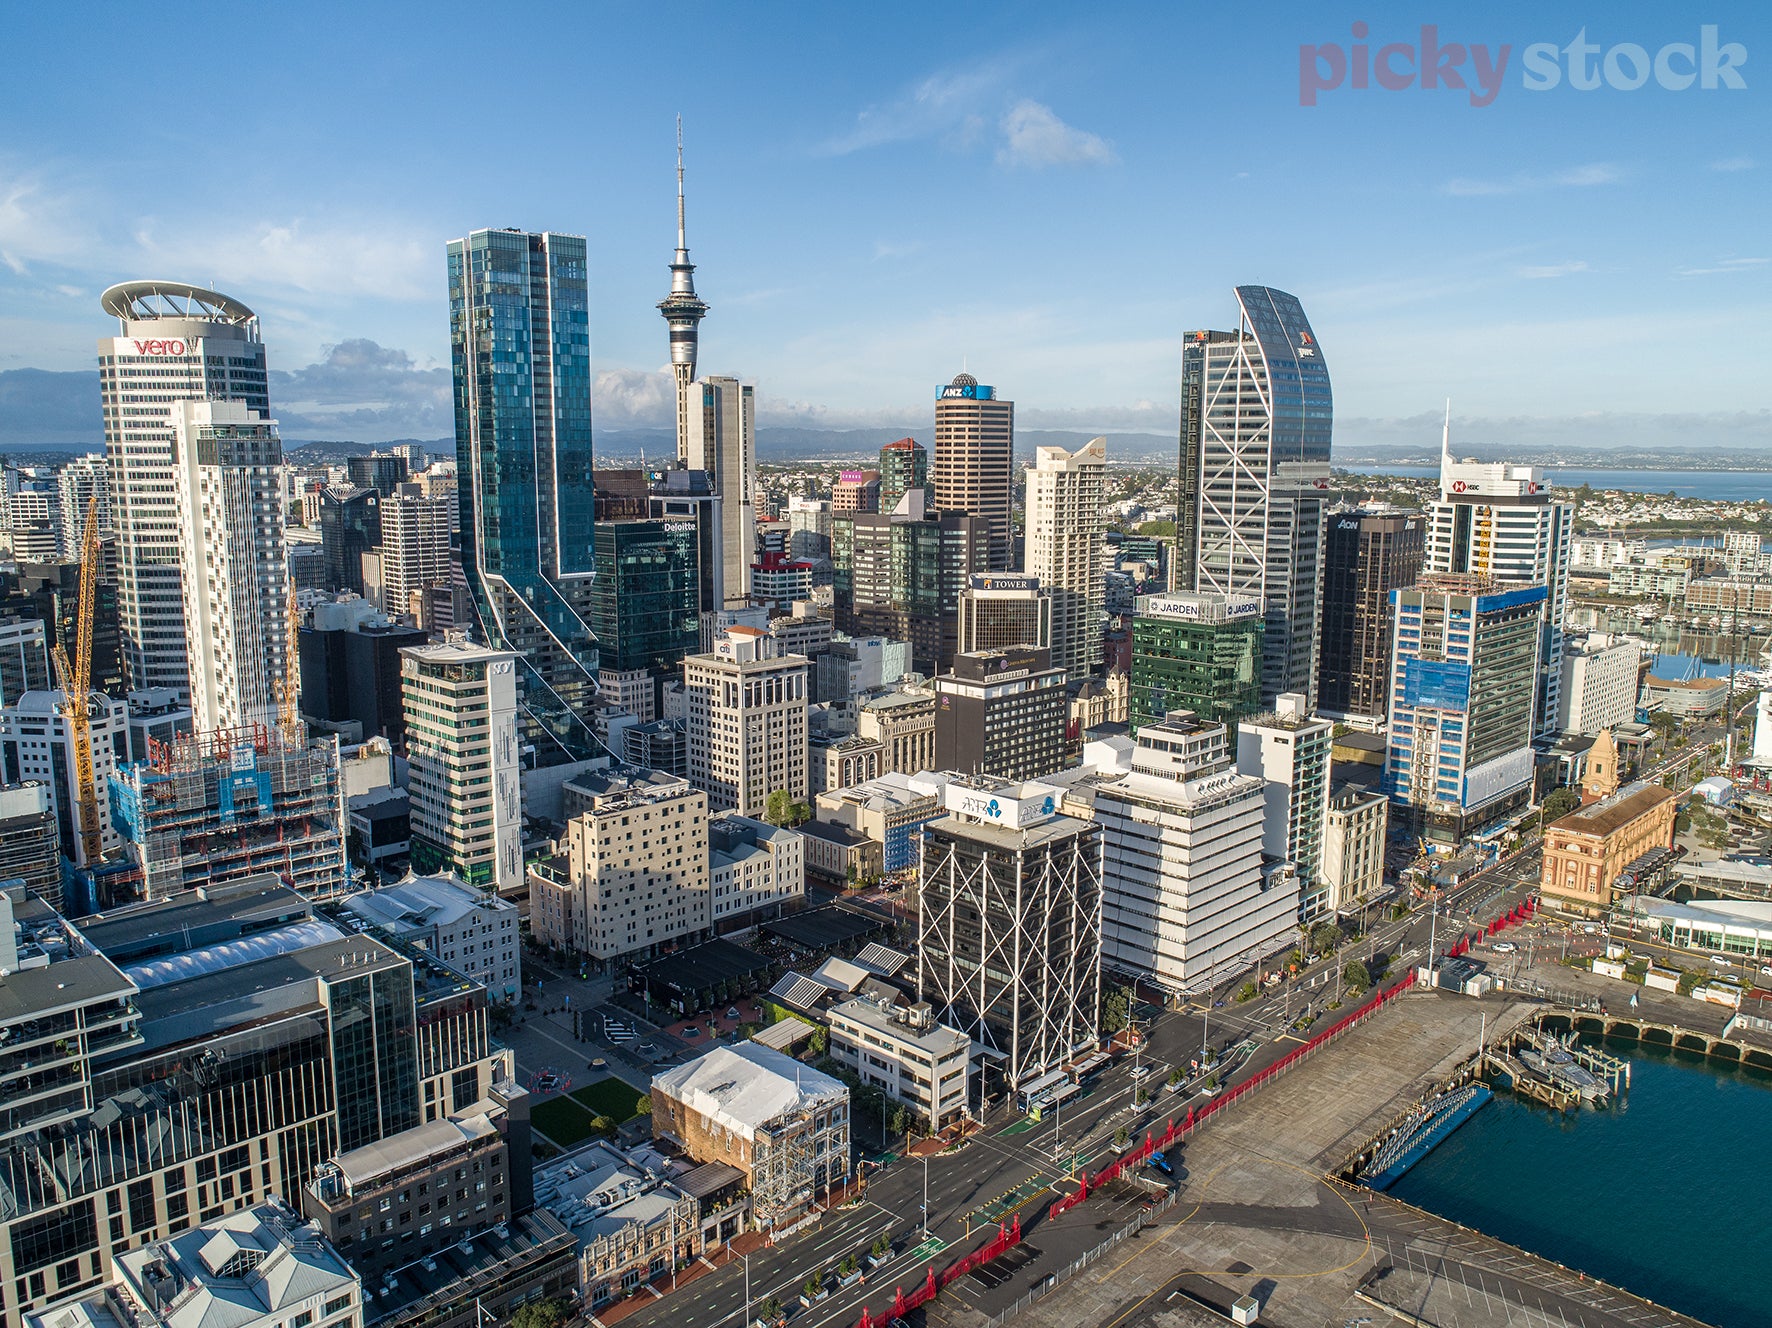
173, 347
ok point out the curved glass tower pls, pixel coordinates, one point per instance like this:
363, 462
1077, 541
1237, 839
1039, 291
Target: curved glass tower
1254, 469
520, 347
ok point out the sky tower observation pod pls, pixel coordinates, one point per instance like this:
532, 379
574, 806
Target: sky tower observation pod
133, 301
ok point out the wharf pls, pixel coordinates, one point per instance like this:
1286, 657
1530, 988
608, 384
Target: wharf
1259, 1215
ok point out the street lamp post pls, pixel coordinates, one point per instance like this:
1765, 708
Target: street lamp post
925, 1196
747, 1290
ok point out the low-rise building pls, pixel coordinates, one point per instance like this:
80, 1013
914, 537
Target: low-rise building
839, 855
632, 1225
902, 1051
838, 762
888, 810
783, 1124
755, 870
1685, 698
471, 930
1589, 849
904, 723
261, 1267
1353, 844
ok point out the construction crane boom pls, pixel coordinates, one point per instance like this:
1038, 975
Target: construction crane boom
75, 678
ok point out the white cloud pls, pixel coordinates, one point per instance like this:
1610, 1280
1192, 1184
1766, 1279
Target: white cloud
1575, 177
633, 398
371, 257
1546, 270
945, 104
1733, 164
1034, 136
1722, 267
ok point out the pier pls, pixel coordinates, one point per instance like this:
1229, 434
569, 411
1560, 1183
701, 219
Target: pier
1655, 1033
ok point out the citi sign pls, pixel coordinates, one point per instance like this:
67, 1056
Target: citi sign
158, 347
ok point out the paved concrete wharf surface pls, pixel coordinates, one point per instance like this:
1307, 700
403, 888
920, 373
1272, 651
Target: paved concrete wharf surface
1257, 1215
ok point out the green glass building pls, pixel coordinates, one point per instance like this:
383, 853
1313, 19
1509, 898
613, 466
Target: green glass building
1196, 652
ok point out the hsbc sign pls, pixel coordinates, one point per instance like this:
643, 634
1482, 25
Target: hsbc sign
172, 347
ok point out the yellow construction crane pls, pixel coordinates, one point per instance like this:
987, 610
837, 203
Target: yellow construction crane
76, 684
289, 720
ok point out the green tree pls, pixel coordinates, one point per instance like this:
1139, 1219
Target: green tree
1176, 1075
1324, 937
1559, 802
602, 1125
1116, 1011
819, 1040
899, 1119
771, 1311
1120, 1137
781, 809
539, 1314
1355, 975
1163, 529
643, 1107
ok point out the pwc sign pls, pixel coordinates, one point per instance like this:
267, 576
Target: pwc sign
158, 347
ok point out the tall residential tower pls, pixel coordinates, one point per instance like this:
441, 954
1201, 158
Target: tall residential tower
974, 465
519, 323
1062, 547
1254, 471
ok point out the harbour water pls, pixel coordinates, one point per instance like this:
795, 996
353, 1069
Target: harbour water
1664, 1194
1736, 485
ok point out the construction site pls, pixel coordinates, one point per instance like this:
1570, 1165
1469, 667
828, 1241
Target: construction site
235, 802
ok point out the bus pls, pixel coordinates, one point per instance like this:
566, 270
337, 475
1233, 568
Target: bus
1058, 1096
1037, 1093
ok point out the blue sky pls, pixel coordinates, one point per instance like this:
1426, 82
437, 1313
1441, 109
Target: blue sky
1051, 195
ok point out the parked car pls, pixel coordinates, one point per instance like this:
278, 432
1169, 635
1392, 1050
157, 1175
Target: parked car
1504, 947
1160, 1163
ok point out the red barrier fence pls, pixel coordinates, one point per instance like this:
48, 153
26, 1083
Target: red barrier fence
1194, 1119
1008, 1236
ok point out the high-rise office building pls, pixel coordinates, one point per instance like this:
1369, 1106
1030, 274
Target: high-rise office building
235, 563
901, 576
1289, 750
1185, 902
382, 471
37, 742
33, 524
30, 845
856, 491
683, 311
177, 343
974, 463
1366, 555
350, 526
1009, 925
82, 481
414, 546
1463, 693
1254, 467
722, 442
904, 466
809, 528
1003, 609
49, 593
646, 605
1065, 495
520, 344
24, 654
1001, 713
461, 743
1199, 653
745, 704
1501, 521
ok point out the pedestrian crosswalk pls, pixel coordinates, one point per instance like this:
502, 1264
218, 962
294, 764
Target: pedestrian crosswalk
618, 1031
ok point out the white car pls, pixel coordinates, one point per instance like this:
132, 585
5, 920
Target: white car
1139, 1072
1504, 947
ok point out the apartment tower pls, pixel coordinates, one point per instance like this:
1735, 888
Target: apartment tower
974, 469
1062, 547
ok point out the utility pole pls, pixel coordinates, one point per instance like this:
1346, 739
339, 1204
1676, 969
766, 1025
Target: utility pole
747, 1291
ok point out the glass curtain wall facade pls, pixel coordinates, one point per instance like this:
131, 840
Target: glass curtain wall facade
645, 605
1254, 471
520, 349
1212, 669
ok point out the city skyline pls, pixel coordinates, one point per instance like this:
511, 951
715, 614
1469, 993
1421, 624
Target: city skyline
1518, 281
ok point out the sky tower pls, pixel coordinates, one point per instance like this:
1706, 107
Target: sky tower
683, 311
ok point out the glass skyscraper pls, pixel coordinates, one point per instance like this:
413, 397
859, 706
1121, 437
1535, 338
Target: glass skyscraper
520, 348
1254, 470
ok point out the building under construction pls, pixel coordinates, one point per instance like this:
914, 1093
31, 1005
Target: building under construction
783, 1124
230, 803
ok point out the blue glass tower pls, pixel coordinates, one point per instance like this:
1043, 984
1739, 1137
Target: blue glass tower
520, 347
1256, 412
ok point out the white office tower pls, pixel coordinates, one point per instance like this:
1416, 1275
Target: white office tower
722, 441
176, 343
1184, 900
1062, 547
81, 481
235, 562
745, 707
1290, 750
32, 524
414, 546
1598, 689
460, 705
1500, 521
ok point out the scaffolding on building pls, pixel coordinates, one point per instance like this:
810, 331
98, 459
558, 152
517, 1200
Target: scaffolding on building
793, 1158
230, 803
